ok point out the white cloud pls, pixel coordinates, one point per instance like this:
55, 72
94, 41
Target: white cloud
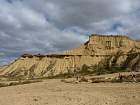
42, 26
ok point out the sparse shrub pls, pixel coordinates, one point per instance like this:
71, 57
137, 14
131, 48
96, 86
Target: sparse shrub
115, 80
13, 83
83, 79
29, 81
3, 84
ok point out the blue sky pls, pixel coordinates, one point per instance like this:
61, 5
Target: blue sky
42, 26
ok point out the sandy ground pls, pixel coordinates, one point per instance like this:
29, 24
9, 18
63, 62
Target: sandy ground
54, 92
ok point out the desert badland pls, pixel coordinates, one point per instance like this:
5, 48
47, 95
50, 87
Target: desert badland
113, 51
88, 75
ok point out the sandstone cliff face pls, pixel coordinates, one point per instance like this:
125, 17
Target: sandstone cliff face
130, 61
92, 52
48, 66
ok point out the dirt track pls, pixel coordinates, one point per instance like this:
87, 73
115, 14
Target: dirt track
54, 92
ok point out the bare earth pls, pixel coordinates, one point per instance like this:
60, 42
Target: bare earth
54, 92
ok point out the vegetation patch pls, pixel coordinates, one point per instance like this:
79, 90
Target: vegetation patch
13, 83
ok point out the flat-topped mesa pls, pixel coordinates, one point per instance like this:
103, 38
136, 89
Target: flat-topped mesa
105, 45
97, 49
110, 43
97, 45
31, 55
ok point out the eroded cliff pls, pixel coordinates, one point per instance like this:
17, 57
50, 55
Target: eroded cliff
118, 50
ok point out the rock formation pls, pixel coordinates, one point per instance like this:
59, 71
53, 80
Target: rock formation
95, 50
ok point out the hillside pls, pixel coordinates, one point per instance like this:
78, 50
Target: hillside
107, 52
